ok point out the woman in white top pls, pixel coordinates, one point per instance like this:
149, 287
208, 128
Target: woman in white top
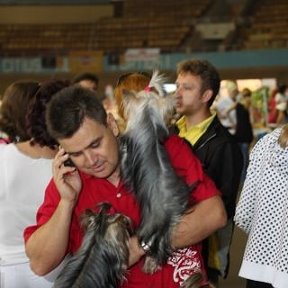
262, 212
25, 170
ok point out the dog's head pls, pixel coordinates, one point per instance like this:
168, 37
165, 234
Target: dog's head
102, 259
112, 227
154, 98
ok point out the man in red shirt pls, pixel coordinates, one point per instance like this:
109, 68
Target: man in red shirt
89, 138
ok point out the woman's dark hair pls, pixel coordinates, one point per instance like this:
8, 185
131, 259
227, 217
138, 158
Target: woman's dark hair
16, 100
68, 109
36, 124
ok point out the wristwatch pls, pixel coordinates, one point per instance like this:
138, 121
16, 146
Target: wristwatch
145, 246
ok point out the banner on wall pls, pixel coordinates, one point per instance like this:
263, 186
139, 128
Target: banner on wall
10, 65
86, 61
143, 54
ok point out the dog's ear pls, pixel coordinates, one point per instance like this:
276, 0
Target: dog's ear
157, 82
87, 219
104, 207
90, 218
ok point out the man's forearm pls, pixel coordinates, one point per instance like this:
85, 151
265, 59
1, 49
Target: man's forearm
48, 245
203, 219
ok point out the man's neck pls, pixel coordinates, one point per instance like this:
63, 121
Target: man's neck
193, 120
114, 178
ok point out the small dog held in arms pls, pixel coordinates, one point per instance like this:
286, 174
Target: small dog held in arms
102, 259
146, 170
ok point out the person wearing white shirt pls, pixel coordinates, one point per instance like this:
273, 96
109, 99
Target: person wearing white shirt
25, 171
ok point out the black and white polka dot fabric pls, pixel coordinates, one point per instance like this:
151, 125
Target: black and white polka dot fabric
262, 212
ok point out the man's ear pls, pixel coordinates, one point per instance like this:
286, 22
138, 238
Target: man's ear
206, 96
112, 124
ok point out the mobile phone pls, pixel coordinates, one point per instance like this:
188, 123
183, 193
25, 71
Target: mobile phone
69, 163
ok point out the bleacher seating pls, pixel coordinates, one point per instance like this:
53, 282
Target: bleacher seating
269, 26
143, 24
165, 24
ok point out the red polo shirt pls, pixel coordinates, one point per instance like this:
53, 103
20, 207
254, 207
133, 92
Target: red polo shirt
183, 262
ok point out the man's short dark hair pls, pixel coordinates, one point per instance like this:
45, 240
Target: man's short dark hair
85, 76
68, 109
206, 71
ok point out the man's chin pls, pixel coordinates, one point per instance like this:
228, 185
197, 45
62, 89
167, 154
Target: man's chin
99, 175
95, 173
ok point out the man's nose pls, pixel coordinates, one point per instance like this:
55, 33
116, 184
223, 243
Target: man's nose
90, 157
178, 90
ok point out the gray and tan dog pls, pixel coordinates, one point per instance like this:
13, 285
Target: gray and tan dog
147, 171
102, 259
163, 197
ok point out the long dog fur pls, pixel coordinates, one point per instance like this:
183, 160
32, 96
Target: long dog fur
102, 259
147, 171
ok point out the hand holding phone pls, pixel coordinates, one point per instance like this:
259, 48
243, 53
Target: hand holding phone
67, 179
69, 163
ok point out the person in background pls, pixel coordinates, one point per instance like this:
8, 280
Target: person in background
223, 106
137, 82
87, 80
13, 111
25, 170
243, 127
281, 101
88, 136
262, 213
197, 84
131, 82
246, 101
272, 111
4, 139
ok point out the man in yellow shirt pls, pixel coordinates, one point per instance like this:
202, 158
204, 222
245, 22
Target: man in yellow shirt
197, 85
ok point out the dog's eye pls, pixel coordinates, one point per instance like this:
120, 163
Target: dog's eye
91, 221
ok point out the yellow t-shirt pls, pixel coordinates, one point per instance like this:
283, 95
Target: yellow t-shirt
194, 132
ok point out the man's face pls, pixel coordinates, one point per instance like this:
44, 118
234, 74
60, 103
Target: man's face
89, 84
94, 148
188, 94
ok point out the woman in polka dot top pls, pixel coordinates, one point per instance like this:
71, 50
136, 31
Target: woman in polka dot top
262, 212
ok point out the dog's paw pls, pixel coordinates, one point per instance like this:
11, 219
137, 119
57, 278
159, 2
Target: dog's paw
194, 281
150, 265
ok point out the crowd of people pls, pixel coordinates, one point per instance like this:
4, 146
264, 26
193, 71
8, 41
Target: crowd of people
210, 141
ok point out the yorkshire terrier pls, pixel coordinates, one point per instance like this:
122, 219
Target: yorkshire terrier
102, 259
146, 169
